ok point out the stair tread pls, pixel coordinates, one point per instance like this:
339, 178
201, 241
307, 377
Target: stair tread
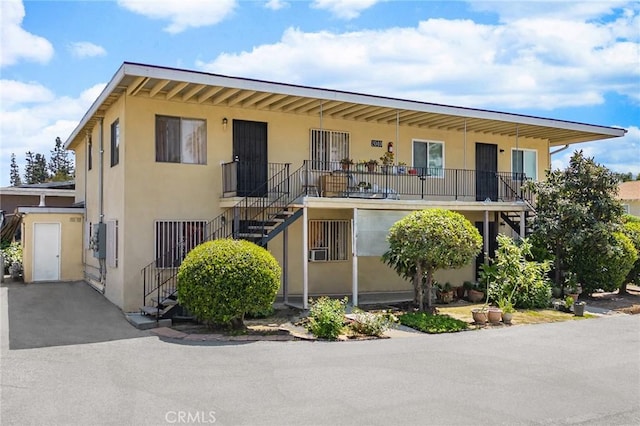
165, 301
153, 311
251, 235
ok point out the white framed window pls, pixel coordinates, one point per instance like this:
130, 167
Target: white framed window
175, 238
626, 208
112, 243
181, 140
428, 157
115, 143
524, 163
330, 239
328, 147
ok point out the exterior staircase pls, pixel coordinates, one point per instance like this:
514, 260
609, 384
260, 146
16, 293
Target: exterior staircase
257, 218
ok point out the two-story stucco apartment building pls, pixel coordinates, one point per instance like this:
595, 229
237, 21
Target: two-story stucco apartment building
167, 158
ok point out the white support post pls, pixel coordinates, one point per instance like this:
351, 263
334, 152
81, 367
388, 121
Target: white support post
522, 224
354, 258
285, 265
485, 237
305, 260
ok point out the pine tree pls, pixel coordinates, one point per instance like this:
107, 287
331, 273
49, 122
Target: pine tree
28, 168
60, 166
14, 172
40, 173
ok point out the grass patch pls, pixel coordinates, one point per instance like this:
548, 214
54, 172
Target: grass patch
432, 324
527, 316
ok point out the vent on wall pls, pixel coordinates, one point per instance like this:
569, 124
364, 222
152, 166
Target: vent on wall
318, 255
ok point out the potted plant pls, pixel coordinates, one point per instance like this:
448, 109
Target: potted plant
571, 285
507, 310
568, 303
346, 163
475, 294
480, 315
361, 166
402, 167
371, 165
387, 161
413, 171
445, 293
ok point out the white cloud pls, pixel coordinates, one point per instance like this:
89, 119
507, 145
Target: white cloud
86, 49
18, 44
182, 14
16, 92
276, 4
33, 125
620, 155
344, 9
541, 62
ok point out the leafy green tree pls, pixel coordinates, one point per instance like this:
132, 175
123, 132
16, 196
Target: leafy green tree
576, 210
632, 230
60, 165
426, 241
220, 281
14, 173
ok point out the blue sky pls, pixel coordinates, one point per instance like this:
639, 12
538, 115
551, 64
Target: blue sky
577, 61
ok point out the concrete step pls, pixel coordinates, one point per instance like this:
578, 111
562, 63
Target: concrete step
152, 311
164, 301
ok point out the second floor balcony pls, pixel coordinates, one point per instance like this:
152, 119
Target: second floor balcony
374, 181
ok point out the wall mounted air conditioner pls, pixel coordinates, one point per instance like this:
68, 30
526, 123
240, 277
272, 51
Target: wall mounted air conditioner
318, 255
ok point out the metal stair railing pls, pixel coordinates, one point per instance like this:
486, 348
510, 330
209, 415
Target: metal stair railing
282, 190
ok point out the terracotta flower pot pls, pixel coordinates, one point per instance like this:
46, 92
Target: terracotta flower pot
479, 316
475, 296
494, 315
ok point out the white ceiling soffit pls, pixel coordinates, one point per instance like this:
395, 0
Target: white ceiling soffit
211, 89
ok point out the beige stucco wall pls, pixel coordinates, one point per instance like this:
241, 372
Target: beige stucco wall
71, 228
140, 191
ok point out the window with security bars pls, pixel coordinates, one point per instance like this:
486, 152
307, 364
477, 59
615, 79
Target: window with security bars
328, 147
331, 238
174, 239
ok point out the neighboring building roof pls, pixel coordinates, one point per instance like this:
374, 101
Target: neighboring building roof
36, 191
67, 184
213, 89
629, 190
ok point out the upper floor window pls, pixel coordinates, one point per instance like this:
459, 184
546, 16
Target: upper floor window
524, 163
428, 157
181, 140
328, 147
89, 154
115, 143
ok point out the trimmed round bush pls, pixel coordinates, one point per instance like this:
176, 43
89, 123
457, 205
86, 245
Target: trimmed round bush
220, 281
632, 230
605, 266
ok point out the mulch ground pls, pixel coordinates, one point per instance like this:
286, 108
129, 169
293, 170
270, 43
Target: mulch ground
627, 303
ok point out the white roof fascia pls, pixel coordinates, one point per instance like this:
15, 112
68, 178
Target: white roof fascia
328, 95
106, 92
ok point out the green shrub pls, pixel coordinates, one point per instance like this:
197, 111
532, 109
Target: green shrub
326, 317
433, 324
371, 324
632, 230
604, 266
12, 253
220, 281
512, 277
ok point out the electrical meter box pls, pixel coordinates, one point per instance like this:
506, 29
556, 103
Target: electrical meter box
99, 240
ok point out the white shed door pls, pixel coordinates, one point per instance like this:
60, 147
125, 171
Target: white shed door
46, 251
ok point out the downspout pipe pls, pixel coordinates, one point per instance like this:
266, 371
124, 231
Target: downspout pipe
103, 271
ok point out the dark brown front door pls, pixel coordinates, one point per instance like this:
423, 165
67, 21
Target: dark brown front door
486, 171
250, 150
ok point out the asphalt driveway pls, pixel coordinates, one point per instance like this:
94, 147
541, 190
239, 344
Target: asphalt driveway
70, 313
576, 372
